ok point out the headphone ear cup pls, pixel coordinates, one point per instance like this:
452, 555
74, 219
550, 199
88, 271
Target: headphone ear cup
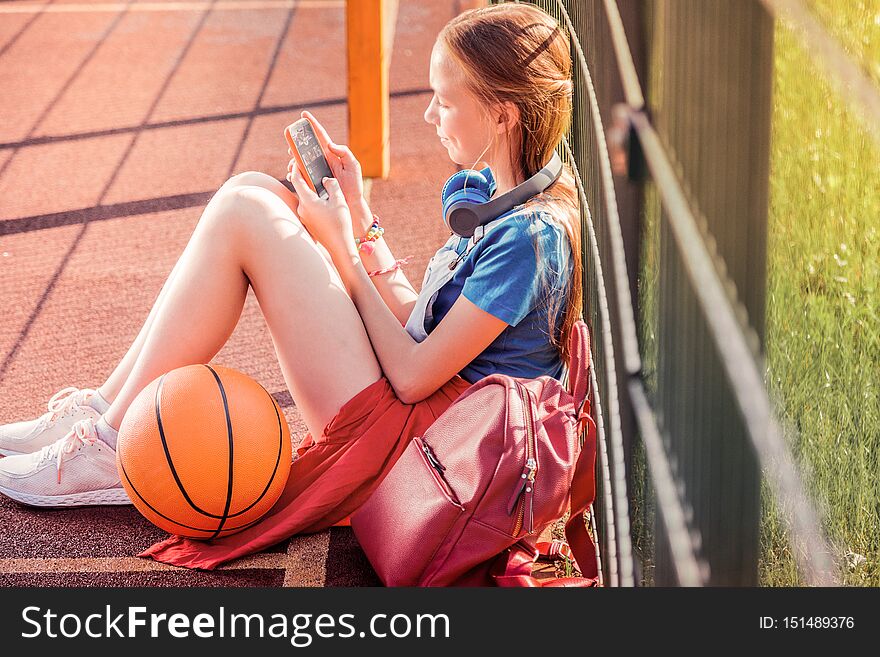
467, 180
467, 186
462, 212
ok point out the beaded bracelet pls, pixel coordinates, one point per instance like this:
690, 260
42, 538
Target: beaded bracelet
396, 265
374, 233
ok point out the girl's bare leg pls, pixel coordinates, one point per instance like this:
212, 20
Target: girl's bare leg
248, 233
111, 387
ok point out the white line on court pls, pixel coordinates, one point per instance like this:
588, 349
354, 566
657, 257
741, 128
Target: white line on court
272, 560
222, 5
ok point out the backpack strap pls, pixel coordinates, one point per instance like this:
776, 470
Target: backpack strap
583, 492
579, 366
554, 548
583, 487
513, 568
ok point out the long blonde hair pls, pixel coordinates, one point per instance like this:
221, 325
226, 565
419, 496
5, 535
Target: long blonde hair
518, 53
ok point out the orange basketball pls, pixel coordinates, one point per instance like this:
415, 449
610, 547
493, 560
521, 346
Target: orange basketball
203, 451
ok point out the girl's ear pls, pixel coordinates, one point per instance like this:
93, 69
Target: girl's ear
507, 117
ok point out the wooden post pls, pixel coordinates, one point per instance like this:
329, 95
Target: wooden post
369, 32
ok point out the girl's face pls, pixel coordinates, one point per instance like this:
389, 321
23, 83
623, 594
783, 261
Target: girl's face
458, 117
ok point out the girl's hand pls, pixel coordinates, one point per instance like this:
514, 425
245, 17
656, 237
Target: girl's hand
327, 220
345, 167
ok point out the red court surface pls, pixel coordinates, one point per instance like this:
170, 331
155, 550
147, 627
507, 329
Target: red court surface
118, 121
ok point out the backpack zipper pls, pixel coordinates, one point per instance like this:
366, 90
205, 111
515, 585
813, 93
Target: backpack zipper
525, 490
432, 458
433, 462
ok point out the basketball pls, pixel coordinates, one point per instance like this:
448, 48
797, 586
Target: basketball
203, 451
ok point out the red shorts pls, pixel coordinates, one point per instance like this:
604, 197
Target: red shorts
330, 477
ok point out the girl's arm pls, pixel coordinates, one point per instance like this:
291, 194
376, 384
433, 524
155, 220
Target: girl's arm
416, 370
394, 287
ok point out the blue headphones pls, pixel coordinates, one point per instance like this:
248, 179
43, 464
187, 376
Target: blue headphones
466, 196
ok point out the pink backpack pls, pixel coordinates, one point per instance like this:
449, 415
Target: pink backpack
465, 503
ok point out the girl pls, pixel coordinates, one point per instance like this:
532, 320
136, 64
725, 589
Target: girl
365, 375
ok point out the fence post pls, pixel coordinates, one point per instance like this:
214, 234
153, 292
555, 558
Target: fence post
628, 192
712, 112
369, 28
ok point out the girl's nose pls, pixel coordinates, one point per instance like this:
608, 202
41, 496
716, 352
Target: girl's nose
429, 113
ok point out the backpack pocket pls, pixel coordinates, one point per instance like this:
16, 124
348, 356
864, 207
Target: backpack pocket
437, 469
402, 544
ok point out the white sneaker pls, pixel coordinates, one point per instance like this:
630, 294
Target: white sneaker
66, 408
77, 470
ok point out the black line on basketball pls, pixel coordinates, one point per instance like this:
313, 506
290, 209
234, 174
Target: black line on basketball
277, 459
168, 453
172, 520
224, 516
229, 434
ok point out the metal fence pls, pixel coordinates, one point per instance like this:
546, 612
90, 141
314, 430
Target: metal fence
674, 195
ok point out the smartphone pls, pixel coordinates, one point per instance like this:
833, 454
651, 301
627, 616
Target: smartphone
309, 156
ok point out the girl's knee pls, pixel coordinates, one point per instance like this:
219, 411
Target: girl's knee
260, 179
252, 178
235, 207
242, 212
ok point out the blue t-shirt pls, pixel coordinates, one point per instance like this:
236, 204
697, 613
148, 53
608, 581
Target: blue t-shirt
503, 276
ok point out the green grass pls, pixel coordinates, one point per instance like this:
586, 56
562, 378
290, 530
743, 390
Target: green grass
823, 302
643, 508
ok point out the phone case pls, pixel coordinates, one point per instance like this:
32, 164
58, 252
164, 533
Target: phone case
308, 154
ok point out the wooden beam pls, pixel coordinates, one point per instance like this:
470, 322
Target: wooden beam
370, 35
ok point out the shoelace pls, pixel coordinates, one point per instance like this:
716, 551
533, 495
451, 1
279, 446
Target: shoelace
82, 433
58, 405
64, 399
